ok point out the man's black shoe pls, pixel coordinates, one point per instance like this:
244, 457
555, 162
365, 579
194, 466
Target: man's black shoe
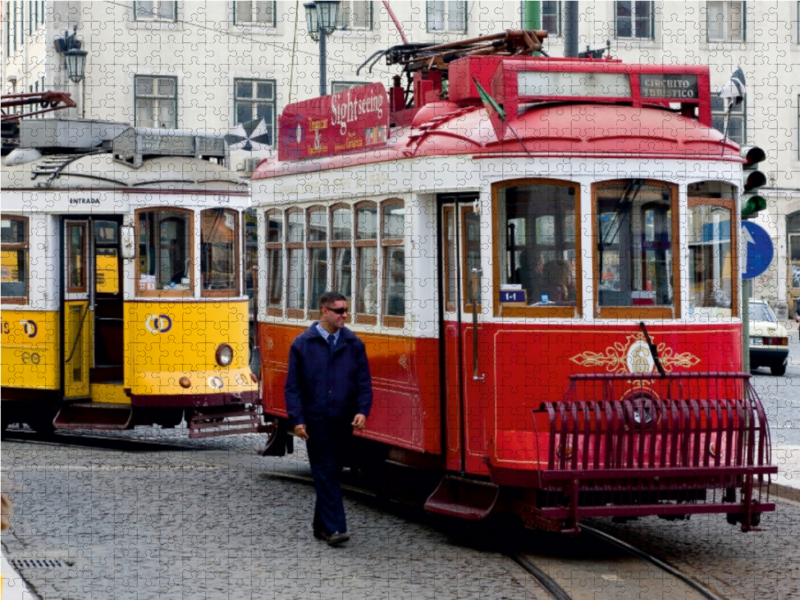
320, 535
337, 538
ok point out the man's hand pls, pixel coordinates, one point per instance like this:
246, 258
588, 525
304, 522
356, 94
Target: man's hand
359, 422
300, 431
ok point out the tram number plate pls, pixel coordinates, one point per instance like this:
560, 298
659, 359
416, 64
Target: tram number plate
756, 341
515, 296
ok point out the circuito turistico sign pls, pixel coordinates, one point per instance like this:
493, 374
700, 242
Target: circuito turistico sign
678, 87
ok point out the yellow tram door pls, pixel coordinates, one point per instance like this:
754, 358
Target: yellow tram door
77, 348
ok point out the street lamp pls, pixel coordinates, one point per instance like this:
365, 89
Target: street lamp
321, 18
74, 58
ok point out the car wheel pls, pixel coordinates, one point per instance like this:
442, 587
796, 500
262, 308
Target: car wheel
778, 369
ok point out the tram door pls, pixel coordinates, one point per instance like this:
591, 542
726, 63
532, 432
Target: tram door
93, 323
464, 365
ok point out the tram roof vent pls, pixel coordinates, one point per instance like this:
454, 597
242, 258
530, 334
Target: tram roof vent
136, 143
64, 135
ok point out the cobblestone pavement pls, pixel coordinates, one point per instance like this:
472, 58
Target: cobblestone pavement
207, 522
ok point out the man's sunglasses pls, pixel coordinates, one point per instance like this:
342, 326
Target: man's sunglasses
338, 311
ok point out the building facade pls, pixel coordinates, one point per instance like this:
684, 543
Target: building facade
212, 65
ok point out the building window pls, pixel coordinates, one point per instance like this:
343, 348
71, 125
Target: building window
261, 14
156, 102
736, 120
450, 16
219, 252
296, 266
726, 21
255, 99
14, 267
343, 86
355, 14
274, 220
712, 262
634, 20
635, 262
155, 11
551, 17
537, 247
165, 252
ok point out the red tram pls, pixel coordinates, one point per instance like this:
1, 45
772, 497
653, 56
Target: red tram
541, 257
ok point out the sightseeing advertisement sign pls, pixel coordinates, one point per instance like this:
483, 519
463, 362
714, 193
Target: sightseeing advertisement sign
349, 121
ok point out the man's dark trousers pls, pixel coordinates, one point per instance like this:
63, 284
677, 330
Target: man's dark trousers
328, 441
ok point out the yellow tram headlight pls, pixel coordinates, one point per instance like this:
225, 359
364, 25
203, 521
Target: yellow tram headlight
224, 355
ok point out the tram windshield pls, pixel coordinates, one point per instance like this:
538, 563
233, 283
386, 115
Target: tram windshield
218, 236
14, 258
164, 250
635, 252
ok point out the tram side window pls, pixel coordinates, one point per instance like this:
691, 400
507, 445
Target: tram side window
76, 257
367, 257
537, 248
318, 254
712, 261
250, 224
341, 240
394, 278
635, 246
14, 266
274, 220
165, 257
219, 235
296, 267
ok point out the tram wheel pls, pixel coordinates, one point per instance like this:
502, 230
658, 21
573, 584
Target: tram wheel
277, 438
43, 425
778, 370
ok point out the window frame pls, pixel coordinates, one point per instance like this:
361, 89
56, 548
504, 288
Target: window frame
349, 26
446, 18
552, 312
16, 247
347, 245
559, 18
313, 311
191, 245
385, 243
640, 312
633, 35
262, 24
448, 258
255, 101
273, 311
292, 312
157, 19
730, 204
136, 97
229, 292
726, 38
734, 114
366, 318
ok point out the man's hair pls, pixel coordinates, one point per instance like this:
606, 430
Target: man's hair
330, 298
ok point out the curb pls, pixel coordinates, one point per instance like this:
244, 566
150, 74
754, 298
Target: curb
785, 492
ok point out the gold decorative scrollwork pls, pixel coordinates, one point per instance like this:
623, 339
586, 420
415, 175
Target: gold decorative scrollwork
631, 356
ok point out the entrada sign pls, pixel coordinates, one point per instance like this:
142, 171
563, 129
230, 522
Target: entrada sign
349, 121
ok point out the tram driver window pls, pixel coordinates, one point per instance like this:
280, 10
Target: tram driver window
219, 235
394, 280
537, 249
165, 258
635, 256
14, 252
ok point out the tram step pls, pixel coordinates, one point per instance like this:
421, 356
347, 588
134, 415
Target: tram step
94, 415
225, 423
463, 498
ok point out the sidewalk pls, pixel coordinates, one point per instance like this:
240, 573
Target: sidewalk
12, 587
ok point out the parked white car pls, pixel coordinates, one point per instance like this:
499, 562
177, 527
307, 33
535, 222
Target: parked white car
769, 340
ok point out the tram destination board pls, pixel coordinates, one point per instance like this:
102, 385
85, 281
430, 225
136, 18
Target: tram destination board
681, 87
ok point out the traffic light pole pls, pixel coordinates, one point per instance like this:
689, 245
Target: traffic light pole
747, 290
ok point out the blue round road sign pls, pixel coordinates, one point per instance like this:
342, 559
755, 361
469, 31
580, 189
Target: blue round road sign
759, 249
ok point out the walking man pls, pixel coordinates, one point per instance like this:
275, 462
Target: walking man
328, 393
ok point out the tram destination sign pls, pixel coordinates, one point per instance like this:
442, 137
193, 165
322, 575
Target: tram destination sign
349, 121
677, 87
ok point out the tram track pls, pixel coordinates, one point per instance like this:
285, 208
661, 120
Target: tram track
556, 574
93, 441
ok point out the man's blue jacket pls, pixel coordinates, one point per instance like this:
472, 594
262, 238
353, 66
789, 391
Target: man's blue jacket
322, 383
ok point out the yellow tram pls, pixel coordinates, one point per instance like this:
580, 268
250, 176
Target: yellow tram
124, 295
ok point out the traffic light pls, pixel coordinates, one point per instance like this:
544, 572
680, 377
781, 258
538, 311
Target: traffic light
752, 202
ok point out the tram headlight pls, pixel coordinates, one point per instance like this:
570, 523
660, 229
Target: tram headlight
224, 355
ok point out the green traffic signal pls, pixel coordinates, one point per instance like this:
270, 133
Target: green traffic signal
752, 205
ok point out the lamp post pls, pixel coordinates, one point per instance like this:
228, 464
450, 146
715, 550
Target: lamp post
321, 18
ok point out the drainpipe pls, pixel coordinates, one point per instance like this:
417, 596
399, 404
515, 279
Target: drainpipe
532, 17
571, 18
